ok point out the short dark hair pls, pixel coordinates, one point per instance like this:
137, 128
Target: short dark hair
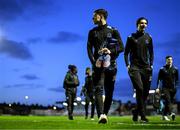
102, 12
88, 68
168, 57
71, 67
139, 20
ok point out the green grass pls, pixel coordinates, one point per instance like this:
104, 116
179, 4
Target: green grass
61, 122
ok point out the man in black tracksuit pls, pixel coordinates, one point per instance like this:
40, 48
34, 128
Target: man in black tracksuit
88, 91
139, 50
70, 84
167, 82
107, 39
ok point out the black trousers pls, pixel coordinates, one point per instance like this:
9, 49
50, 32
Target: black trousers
104, 79
141, 80
70, 97
88, 99
168, 98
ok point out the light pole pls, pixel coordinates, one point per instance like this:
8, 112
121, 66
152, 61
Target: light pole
26, 98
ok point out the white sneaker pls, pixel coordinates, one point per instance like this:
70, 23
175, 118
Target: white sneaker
165, 118
92, 119
103, 119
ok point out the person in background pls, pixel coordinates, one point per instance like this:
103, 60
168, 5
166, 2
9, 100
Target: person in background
88, 92
167, 82
70, 84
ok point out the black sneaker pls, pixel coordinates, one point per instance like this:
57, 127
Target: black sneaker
135, 115
173, 116
71, 118
102, 119
144, 120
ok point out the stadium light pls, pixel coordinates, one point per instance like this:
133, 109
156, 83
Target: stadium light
134, 95
54, 108
65, 104
75, 104
151, 91
26, 97
78, 99
83, 103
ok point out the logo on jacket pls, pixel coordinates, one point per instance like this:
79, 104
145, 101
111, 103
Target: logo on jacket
95, 34
147, 41
109, 35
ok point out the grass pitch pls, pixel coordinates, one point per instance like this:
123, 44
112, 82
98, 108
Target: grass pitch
62, 122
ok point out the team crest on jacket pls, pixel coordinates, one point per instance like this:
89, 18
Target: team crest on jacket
147, 41
109, 35
95, 34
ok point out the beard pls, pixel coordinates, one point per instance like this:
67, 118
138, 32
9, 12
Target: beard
142, 28
97, 22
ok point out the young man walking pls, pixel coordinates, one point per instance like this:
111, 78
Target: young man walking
138, 57
103, 46
167, 82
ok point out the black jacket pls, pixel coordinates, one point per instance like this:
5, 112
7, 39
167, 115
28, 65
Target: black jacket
71, 80
139, 50
88, 87
168, 77
104, 36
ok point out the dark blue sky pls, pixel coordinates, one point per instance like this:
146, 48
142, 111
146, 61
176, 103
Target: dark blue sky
39, 38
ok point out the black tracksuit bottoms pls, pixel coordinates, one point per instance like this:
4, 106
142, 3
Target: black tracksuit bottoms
104, 79
141, 80
70, 97
168, 95
89, 98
